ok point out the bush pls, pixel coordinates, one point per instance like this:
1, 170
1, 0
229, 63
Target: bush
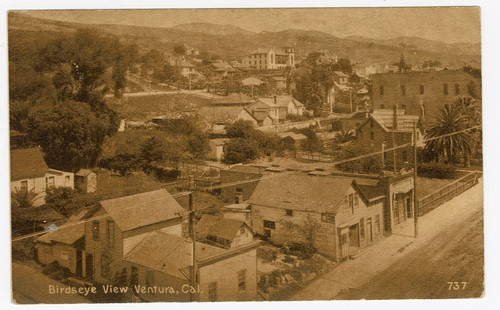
437, 171
166, 174
301, 250
267, 254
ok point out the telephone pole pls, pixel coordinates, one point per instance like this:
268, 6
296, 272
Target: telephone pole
415, 200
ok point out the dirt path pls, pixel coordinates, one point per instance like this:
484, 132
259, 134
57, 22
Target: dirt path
449, 248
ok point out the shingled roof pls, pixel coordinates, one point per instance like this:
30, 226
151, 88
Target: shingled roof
218, 226
69, 232
302, 192
168, 253
27, 164
143, 209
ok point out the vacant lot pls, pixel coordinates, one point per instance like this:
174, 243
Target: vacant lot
146, 107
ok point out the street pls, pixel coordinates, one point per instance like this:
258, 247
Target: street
449, 248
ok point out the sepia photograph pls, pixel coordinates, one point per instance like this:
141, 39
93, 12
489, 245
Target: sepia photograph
245, 154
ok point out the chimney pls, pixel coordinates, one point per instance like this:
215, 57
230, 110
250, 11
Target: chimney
238, 199
395, 117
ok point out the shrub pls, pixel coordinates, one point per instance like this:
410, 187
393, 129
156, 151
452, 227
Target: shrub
166, 174
301, 250
437, 171
267, 254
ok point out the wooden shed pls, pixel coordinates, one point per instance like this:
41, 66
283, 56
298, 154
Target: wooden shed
86, 181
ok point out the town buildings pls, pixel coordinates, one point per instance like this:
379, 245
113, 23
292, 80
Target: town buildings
29, 172
421, 93
271, 58
385, 129
337, 214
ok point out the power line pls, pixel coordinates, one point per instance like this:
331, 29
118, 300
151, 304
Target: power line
257, 180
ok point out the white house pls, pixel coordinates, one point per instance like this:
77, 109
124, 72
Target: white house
29, 171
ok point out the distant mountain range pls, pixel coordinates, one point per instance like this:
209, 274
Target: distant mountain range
233, 42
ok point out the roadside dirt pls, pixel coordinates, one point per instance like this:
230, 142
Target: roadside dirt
455, 255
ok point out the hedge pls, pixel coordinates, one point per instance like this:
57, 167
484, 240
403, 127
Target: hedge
437, 171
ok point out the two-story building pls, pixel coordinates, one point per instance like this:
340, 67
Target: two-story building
29, 172
331, 211
240, 181
115, 226
271, 58
385, 129
421, 93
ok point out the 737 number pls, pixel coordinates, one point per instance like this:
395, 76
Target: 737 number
455, 286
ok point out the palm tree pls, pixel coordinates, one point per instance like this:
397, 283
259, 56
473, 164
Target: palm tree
23, 198
450, 119
344, 136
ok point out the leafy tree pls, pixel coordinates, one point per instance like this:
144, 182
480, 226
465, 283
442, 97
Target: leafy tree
403, 66
197, 145
241, 150
450, 119
167, 74
431, 64
67, 201
153, 150
312, 144
307, 229
240, 129
70, 134
179, 49
371, 164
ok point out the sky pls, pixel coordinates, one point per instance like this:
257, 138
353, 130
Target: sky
446, 24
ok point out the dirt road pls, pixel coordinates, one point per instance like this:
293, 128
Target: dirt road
449, 249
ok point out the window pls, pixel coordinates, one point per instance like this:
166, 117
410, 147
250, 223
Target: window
150, 278
269, 224
377, 223
356, 200
422, 89
405, 157
95, 230
212, 291
382, 106
67, 178
372, 136
239, 190
403, 106
362, 228
403, 90
381, 90
24, 185
445, 89
242, 280
110, 233
457, 89
328, 218
351, 203
289, 212
50, 182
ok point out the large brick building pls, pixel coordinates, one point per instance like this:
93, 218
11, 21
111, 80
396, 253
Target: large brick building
421, 93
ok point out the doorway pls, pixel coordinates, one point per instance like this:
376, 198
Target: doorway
79, 263
369, 232
89, 266
408, 207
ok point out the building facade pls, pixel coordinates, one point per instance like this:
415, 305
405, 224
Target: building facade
271, 58
421, 93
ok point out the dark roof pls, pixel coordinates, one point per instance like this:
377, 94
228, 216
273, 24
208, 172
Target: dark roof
84, 172
370, 192
168, 253
299, 191
27, 164
69, 232
218, 226
143, 209
247, 169
234, 98
221, 114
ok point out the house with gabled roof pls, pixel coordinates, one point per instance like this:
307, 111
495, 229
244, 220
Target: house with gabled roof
385, 129
162, 260
114, 226
339, 215
29, 172
223, 232
64, 245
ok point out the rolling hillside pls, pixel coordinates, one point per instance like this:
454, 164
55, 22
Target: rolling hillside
234, 42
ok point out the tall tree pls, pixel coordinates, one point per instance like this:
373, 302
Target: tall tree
447, 139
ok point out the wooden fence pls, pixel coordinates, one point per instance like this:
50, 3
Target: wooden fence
435, 199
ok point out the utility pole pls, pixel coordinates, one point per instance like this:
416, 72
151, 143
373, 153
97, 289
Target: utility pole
192, 236
415, 200
393, 151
